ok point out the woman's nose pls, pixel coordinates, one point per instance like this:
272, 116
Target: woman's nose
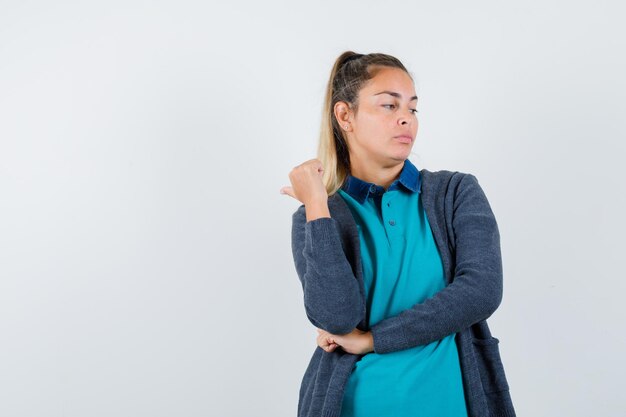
406, 118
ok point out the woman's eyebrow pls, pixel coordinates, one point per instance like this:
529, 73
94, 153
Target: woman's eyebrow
393, 93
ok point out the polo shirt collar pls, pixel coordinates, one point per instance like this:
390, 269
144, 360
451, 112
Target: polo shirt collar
360, 190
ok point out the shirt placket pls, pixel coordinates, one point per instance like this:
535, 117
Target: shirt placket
391, 218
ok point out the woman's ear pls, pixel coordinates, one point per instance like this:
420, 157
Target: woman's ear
343, 114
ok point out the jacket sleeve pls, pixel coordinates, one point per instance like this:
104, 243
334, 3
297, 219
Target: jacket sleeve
474, 293
332, 299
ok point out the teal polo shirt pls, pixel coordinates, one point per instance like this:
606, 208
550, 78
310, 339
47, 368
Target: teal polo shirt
401, 267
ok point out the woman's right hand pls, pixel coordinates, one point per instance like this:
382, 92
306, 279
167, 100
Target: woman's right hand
325, 341
306, 183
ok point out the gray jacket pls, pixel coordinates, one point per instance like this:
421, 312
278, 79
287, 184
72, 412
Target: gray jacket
326, 253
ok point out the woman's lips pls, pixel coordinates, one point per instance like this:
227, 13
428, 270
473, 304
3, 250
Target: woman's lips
404, 139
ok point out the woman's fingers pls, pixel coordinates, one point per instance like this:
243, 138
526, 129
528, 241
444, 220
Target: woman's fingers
326, 341
307, 182
330, 347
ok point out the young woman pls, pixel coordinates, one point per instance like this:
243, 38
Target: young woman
400, 267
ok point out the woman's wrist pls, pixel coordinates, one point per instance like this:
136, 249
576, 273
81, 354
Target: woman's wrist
317, 210
370, 342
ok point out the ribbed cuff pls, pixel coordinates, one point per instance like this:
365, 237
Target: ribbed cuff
389, 336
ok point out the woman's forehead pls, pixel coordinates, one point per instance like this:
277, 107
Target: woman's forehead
390, 82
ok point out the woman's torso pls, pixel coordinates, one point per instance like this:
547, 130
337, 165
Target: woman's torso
401, 267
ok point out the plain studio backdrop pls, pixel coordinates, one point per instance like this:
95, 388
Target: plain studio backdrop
145, 254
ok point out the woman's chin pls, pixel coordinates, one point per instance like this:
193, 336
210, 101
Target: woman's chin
401, 155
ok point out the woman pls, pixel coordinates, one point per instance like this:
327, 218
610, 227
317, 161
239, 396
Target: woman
400, 267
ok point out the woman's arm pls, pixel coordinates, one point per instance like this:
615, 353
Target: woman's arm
332, 300
476, 290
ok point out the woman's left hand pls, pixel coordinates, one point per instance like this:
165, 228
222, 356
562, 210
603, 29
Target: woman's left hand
356, 342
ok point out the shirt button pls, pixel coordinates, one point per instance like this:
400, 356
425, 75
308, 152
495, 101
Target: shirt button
372, 188
392, 222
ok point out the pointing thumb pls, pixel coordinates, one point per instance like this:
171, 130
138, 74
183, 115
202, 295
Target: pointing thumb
287, 190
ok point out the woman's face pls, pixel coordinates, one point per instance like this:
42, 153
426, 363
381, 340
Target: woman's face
383, 130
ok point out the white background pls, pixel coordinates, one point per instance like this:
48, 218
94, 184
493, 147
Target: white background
145, 258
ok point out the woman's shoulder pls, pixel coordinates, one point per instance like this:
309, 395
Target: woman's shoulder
443, 176
450, 183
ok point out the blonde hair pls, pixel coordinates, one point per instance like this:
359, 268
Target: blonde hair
348, 75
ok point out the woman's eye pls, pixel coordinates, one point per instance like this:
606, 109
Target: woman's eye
392, 106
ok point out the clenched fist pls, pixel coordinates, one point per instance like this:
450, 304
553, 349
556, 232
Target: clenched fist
308, 188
